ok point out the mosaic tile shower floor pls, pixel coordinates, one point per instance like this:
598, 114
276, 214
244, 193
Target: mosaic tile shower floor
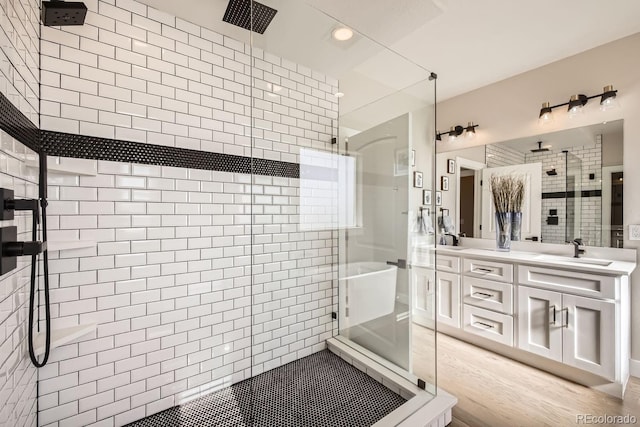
320, 390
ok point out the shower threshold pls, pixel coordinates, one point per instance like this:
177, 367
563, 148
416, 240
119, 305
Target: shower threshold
421, 409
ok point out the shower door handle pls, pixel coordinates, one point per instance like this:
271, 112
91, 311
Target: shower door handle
401, 263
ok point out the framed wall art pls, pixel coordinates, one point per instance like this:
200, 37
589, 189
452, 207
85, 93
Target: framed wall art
417, 179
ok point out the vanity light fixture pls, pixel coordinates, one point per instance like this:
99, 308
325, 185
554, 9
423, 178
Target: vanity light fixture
577, 102
455, 131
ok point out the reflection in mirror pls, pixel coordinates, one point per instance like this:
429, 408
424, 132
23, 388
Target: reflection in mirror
581, 182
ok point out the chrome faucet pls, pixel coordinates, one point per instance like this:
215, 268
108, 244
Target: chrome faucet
576, 247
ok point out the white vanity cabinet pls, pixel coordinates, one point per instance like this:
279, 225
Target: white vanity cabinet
488, 299
448, 290
575, 330
448, 298
566, 316
423, 295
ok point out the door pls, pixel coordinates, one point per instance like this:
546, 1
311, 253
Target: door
532, 206
423, 288
448, 298
539, 322
589, 341
380, 236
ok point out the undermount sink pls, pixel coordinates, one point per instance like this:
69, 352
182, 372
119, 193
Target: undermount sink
588, 261
591, 261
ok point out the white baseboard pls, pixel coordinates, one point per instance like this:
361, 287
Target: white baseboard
634, 368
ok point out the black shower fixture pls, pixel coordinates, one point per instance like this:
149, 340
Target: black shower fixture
552, 172
61, 13
249, 15
540, 148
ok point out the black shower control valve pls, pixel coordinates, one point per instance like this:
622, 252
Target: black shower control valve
11, 248
8, 263
6, 196
8, 204
14, 249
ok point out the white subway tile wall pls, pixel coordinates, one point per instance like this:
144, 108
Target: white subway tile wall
19, 84
134, 73
17, 374
172, 286
589, 209
19, 80
499, 155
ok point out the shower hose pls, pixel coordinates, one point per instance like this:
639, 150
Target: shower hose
32, 294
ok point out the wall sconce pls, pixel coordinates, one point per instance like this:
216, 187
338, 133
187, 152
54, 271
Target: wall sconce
577, 102
455, 131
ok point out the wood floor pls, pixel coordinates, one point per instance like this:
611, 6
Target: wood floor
495, 391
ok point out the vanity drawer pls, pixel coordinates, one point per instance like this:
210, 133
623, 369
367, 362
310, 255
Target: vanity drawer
490, 270
488, 294
571, 282
448, 263
488, 324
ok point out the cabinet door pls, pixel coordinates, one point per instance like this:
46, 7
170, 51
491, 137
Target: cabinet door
448, 298
539, 322
423, 285
589, 335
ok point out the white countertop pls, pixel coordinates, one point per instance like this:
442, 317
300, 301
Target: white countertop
586, 264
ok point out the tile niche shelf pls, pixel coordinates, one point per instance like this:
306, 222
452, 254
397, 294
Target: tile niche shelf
64, 245
67, 166
62, 336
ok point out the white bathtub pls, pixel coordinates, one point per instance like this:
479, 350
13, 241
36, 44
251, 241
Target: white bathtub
367, 291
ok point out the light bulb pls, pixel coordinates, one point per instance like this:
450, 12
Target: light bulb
608, 100
470, 131
342, 34
576, 104
546, 115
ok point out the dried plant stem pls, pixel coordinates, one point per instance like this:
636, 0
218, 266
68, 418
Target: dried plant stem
508, 193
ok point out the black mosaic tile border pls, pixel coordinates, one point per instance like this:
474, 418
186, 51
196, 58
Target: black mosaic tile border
95, 148
16, 124
571, 194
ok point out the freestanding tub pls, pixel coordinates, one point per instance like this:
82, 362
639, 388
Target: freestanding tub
367, 291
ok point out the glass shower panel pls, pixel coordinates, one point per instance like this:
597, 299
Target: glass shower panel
573, 197
337, 131
386, 277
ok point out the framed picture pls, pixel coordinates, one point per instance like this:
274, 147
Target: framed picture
412, 159
417, 179
444, 212
401, 163
426, 197
438, 198
444, 183
451, 166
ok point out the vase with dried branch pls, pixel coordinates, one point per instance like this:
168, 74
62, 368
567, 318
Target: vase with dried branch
508, 197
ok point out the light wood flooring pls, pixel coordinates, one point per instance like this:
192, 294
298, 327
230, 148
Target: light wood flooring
495, 391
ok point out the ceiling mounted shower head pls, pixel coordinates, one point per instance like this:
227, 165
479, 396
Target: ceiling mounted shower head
60, 13
249, 15
540, 148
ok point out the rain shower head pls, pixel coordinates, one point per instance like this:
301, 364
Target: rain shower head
540, 148
60, 13
249, 15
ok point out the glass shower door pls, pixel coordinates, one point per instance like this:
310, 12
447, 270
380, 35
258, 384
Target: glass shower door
374, 280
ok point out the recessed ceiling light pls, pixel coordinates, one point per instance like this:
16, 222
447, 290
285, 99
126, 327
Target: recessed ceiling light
342, 33
339, 94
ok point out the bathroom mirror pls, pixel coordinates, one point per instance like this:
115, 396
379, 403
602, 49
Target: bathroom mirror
578, 193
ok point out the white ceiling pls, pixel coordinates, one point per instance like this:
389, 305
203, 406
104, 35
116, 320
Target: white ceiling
469, 44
